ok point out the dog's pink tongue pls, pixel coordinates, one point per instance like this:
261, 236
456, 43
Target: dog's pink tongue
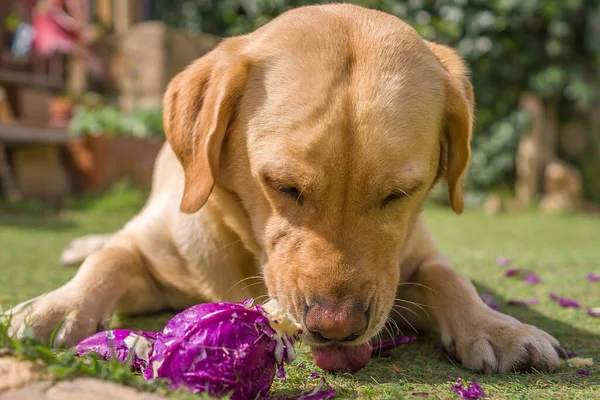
342, 358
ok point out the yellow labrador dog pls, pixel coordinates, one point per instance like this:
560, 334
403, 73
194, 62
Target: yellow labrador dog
301, 154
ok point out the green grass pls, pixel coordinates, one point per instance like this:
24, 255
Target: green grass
561, 249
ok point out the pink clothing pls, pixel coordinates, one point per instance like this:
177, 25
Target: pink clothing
50, 35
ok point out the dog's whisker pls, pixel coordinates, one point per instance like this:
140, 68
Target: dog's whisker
406, 320
257, 298
415, 304
387, 329
243, 280
398, 327
388, 321
229, 244
250, 285
416, 284
393, 322
406, 308
379, 340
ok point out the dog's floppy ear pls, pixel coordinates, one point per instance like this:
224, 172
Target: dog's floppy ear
199, 104
458, 120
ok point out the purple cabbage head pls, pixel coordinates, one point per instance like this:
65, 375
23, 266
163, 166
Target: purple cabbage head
223, 349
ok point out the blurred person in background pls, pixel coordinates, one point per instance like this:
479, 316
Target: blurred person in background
61, 28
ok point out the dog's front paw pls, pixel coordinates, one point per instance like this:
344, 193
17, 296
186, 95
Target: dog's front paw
71, 318
491, 342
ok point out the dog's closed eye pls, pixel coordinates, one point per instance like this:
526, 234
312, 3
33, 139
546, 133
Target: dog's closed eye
289, 190
293, 192
393, 197
399, 194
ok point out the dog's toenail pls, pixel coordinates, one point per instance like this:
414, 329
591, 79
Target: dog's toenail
487, 368
532, 351
561, 353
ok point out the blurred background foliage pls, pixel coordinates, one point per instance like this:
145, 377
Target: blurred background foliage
548, 47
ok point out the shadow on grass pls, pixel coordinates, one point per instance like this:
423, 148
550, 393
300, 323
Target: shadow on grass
143, 322
47, 220
37, 214
424, 362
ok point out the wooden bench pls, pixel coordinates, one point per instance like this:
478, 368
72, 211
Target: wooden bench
38, 165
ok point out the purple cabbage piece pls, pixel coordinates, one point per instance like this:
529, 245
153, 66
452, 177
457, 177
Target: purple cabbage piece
472, 392
388, 345
317, 393
502, 261
594, 312
563, 301
593, 277
122, 341
513, 272
220, 348
532, 279
583, 372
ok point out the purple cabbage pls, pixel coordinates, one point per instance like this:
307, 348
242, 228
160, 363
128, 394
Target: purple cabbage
121, 341
222, 349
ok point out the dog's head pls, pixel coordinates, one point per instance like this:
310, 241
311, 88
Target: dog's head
328, 127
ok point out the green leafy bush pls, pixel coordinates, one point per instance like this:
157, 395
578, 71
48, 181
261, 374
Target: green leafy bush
108, 120
95, 121
143, 123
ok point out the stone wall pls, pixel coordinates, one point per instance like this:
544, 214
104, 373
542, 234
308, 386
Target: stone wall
147, 56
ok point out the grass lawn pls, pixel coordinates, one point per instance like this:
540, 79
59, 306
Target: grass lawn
561, 249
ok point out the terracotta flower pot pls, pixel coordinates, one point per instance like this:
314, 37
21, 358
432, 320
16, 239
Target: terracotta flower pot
102, 160
99, 148
134, 158
60, 110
